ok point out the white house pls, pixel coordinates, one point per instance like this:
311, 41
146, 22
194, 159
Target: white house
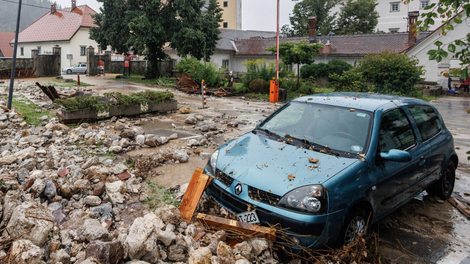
434, 70
67, 28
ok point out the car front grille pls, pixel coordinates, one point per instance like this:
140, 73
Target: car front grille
224, 178
263, 196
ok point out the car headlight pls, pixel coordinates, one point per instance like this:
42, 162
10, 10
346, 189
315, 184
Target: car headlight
210, 167
310, 199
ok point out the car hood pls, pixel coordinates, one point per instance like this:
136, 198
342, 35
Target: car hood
275, 166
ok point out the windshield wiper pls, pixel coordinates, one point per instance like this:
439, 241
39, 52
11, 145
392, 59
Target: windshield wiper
267, 132
316, 147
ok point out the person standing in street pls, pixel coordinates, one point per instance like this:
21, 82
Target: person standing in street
466, 84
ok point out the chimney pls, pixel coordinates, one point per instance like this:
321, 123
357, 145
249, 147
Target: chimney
53, 8
312, 24
412, 18
74, 4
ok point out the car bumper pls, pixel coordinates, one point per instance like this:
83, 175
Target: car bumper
310, 234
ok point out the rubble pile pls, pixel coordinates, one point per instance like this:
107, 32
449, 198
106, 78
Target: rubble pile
66, 197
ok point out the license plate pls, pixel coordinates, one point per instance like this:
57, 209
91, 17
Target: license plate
248, 217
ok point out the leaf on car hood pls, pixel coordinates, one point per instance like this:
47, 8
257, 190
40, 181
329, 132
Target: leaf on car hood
312, 160
291, 177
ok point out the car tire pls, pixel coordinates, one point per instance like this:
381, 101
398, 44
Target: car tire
85, 72
69, 71
444, 187
356, 221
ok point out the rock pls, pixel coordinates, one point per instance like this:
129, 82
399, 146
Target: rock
29, 164
105, 252
50, 190
244, 249
31, 221
99, 189
7, 160
127, 133
26, 153
91, 162
142, 238
116, 187
92, 200
24, 251
191, 120
215, 239
152, 140
61, 256
38, 186
259, 245
124, 176
201, 255
232, 124
225, 254
171, 214
140, 140
93, 230
204, 128
68, 190
115, 149
166, 237
184, 109
181, 156
173, 136
178, 251
60, 217
105, 211
212, 127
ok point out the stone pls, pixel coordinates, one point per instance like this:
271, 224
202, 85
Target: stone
140, 140
244, 249
25, 251
259, 245
166, 237
142, 238
152, 140
92, 200
91, 162
181, 156
105, 252
105, 211
225, 254
171, 214
191, 120
124, 176
50, 190
127, 133
31, 221
29, 164
119, 168
232, 124
178, 251
173, 136
115, 149
61, 256
201, 255
38, 186
60, 217
215, 239
116, 187
26, 153
67, 190
63, 172
99, 189
93, 230
7, 160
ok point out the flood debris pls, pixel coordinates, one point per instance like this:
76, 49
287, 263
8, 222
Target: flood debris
52, 93
187, 84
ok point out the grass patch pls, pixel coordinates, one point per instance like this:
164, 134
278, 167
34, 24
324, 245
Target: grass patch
157, 196
425, 98
31, 112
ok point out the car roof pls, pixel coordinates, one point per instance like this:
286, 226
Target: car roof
365, 101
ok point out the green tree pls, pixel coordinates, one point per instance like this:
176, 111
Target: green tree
306, 8
453, 12
297, 53
146, 26
387, 72
357, 16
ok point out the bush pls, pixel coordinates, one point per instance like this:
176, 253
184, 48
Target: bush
148, 96
199, 71
257, 69
324, 70
117, 98
259, 86
91, 102
350, 81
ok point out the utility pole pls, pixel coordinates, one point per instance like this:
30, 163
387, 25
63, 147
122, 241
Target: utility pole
13, 67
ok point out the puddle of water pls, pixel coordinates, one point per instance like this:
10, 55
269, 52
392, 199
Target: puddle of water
164, 128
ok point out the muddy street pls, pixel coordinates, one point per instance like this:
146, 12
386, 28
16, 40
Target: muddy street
425, 230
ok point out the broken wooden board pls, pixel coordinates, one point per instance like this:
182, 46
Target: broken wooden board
245, 228
196, 187
460, 206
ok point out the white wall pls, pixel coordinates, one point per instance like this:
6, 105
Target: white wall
434, 71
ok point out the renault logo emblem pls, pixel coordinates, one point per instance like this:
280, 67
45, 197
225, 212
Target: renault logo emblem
238, 189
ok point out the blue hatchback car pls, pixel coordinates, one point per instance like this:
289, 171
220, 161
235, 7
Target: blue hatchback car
324, 166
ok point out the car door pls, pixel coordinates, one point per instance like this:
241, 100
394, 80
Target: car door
430, 130
82, 68
395, 178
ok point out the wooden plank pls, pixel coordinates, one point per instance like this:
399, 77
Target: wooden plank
457, 204
196, 187
249, 229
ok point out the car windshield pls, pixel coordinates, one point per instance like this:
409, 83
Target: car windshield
340, 129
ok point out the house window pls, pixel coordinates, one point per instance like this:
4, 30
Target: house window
225, 64
225, 24
225, 3
82, 50
393, 30
22, 51
395, 7
39, 49
423, 4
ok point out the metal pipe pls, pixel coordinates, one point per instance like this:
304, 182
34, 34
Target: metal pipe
13, 67
277, 45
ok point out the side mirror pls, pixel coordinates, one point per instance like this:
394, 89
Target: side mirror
396, 155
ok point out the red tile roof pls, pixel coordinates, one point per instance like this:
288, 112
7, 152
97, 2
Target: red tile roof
340, 44
5, 48
60, 26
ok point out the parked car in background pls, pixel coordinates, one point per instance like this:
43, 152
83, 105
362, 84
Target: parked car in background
323, 167
77, 68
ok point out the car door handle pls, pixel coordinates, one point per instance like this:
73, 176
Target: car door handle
422, 161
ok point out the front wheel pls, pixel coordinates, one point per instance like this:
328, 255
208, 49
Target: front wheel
356, 223
69, 71
444, 187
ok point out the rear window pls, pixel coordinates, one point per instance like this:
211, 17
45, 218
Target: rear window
426, 118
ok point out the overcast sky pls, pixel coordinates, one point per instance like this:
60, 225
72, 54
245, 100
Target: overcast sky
256, 14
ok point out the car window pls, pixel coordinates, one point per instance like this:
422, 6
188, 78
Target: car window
426, 118
395, 131
284, 119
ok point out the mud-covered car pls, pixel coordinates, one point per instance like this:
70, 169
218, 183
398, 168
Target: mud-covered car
322, 167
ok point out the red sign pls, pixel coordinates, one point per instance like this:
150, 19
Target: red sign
126, 64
